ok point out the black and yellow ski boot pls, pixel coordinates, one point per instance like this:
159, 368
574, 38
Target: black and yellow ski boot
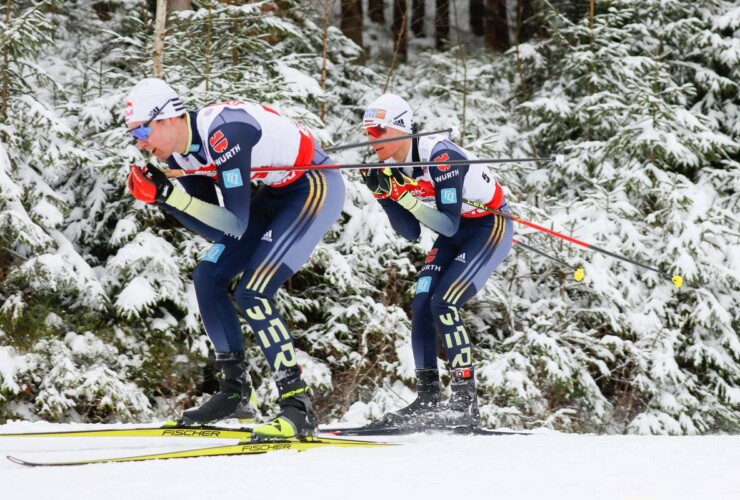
234, 399
296, 419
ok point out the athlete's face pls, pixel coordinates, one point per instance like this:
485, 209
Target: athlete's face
163, 140
395, 149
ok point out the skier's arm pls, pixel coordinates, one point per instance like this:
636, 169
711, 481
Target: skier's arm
202, 188
401, 220
230, 147
445, 219
195, 225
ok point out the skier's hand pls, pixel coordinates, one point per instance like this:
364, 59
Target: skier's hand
149, 184
394, 184
371, 181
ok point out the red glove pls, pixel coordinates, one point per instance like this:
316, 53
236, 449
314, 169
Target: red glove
148, 184
393, 183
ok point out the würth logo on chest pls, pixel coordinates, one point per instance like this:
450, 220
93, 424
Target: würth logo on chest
218, 142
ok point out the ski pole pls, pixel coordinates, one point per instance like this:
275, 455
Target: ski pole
578, 272
367, 143
676, 279
210, 170
369, 166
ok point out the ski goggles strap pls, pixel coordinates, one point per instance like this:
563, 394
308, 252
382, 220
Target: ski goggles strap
143, 131
379, 129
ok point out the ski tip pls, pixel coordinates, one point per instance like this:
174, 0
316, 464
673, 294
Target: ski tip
19, 461
579, 274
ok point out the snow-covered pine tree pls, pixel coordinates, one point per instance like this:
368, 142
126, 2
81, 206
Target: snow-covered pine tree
52, 298
643, 104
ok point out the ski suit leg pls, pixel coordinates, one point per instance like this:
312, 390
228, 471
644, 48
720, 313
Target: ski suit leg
212, 277
423, 325
483, 245
303, 213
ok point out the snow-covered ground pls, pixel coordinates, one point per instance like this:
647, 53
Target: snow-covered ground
545, 465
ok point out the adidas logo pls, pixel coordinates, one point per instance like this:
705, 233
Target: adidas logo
267, 236
461, 258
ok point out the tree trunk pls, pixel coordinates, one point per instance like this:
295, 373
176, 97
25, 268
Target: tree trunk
6, 70
442, 25
324, 53
104, 10
351, 22
417, 18
207, 44
159, 27
527, 23
497, 30
477, 17
376, 11
234, 32
400, 17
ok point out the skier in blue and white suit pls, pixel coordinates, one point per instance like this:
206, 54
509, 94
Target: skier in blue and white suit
471, 244
266, 237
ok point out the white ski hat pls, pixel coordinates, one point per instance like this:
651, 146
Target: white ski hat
152, 97
389, 110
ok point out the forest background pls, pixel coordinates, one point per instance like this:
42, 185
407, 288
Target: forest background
98, 318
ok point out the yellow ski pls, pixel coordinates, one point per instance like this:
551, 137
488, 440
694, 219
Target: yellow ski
205, 431
243, 448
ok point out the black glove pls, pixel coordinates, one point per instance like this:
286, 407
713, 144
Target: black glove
372, 181
160, 182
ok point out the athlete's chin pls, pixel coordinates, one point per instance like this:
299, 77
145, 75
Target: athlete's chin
161, 154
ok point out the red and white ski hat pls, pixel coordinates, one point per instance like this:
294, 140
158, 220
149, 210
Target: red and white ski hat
152, 97
389, 110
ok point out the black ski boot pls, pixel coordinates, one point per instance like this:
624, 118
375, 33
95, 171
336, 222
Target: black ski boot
234, 399
296, 418
426, 402
462, 408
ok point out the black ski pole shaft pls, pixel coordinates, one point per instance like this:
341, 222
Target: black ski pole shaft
367, 143
676, 279
370, 166
578, 272
359, 166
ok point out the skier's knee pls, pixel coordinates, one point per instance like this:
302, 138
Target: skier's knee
440, 306
254, 304
206, 276
421, 304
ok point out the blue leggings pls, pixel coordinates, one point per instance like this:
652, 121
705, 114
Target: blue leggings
454, 270
285, 225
